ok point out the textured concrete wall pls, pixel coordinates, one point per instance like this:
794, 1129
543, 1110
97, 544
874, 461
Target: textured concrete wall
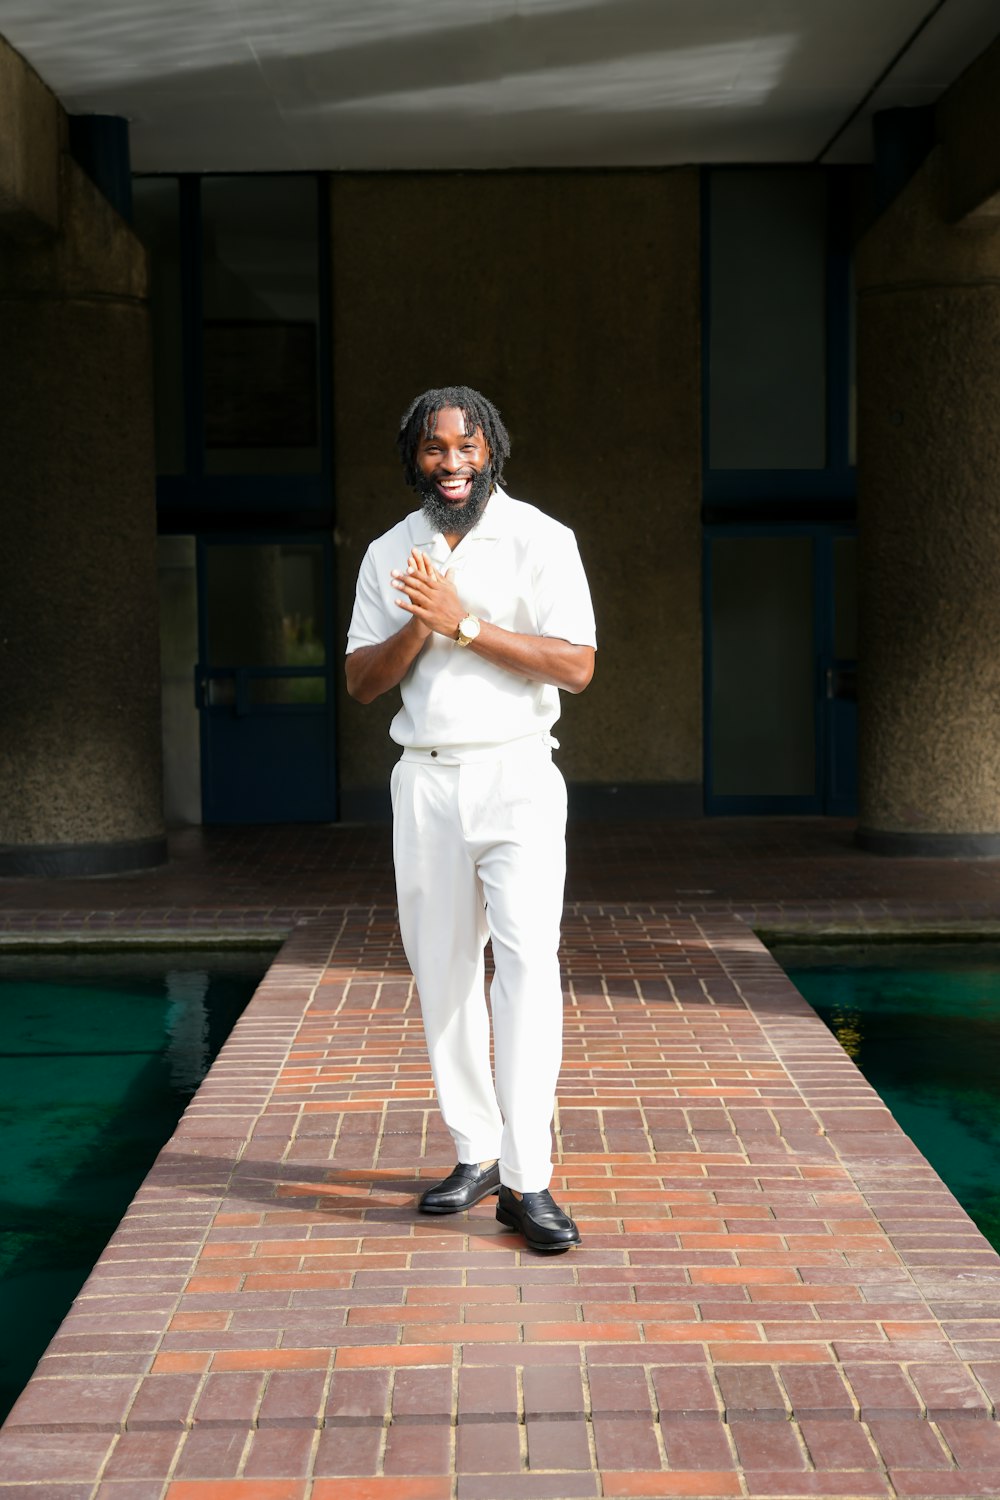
968, 125
32, 130
571, 299
929, 482
80, 754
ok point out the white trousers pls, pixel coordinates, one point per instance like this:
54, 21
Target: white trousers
480, 851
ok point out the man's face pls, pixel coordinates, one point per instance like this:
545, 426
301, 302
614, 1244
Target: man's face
453, 472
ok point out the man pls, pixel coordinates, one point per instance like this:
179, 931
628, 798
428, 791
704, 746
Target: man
476, 606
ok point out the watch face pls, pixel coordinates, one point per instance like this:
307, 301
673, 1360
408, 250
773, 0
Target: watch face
469, 627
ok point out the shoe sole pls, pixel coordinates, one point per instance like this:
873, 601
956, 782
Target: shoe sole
489, 1193
509, 1222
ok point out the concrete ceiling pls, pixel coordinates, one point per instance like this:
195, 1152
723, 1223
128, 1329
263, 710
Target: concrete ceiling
241, 85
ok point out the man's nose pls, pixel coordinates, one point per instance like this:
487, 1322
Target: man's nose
453, 459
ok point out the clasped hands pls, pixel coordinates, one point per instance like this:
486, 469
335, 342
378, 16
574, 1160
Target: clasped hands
430, 597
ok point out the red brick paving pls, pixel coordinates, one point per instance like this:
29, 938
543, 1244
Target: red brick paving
775, 1295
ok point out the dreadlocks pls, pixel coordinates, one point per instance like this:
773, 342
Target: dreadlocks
477, 411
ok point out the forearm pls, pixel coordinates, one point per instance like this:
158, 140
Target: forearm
431, 599
374, 670
538, 657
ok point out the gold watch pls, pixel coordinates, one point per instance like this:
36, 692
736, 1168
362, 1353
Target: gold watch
468, 630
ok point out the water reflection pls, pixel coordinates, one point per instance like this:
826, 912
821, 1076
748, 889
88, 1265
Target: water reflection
99, 1054
846, 1027
186, 1025
923, 1024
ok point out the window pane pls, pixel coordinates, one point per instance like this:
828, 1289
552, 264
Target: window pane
266, 691
156, 211
767, 343
261, 325
264, 605
763, 669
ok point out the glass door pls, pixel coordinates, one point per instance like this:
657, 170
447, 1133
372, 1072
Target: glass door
840, 680
262, 682
780, 670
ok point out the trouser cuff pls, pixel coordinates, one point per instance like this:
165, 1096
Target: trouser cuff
526, 1182
475, 1151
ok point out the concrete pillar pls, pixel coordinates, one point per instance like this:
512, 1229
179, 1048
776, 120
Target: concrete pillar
33, 128
80, 750
929, 508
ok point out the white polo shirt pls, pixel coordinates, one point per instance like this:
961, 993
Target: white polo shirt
517, 568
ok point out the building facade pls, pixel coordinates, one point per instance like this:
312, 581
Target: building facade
763, 396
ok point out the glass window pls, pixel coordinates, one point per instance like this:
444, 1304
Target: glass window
260, 325
763, 667
767, 339
265, 604
156, 215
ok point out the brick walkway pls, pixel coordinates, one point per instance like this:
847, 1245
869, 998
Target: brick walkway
775, 1296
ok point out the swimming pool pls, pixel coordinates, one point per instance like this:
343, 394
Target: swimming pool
922, 1022
99, 1054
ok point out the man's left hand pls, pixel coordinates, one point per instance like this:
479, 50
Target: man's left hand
429, 595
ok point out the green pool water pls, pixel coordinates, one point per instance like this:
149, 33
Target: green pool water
99, 1054
922, 1022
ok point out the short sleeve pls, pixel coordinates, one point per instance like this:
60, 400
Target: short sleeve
562, 594
368, 622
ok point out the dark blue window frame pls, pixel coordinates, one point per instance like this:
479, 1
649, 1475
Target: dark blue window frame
821, 503
727, 492
823, 536
328, 793
253, 508
195, 501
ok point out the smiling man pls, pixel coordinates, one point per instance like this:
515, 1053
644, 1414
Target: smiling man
476, 606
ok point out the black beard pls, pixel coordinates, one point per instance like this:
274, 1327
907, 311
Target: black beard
444, 517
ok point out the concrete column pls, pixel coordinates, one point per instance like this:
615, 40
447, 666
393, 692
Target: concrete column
929, 506
80, 749
33, 128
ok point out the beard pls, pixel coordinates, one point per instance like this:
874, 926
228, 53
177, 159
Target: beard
447, 518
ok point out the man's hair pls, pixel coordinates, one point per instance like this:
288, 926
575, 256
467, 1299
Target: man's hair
418, 419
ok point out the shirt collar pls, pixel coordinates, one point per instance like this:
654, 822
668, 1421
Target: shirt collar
493, 523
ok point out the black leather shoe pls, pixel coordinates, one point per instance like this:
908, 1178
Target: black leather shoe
468, 1184
539, 1218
